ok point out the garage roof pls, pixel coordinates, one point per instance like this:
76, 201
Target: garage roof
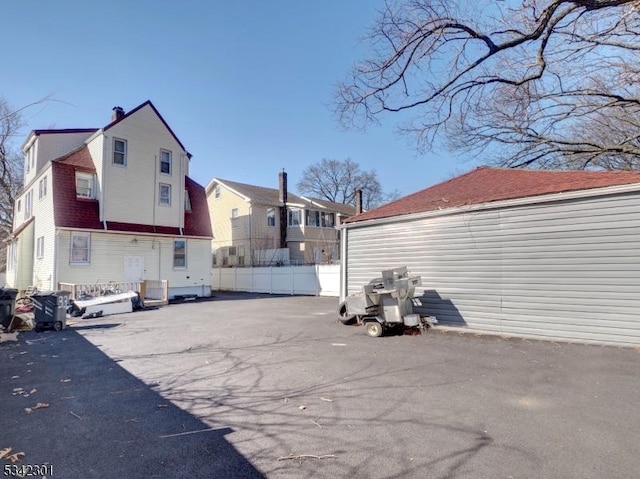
484, 185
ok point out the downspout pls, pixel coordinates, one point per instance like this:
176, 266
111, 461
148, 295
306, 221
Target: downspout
343, 264
250, 235
103, 206
155, 190
56, 259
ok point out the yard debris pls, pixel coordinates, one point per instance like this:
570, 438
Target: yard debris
162, 405
302, 407
22, 392
75, 415
8, 337
326, 399
186, 433
305, 456
65, 380
315, 423
40, 405
15, 377
338, 344
22, 322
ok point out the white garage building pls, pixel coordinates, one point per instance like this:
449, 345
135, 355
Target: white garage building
546, 254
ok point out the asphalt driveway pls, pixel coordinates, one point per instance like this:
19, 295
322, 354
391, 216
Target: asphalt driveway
248, 385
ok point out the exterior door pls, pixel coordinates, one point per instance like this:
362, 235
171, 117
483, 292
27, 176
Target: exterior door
133, 268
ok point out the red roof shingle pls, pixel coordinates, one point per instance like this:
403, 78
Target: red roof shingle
73, 212
485, 185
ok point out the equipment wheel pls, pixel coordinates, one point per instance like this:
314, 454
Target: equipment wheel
374, 329
57, 325
343, 316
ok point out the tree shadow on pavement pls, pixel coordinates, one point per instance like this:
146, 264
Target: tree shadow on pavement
91, 418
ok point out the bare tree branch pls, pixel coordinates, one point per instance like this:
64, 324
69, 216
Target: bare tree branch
337, 181
541, 83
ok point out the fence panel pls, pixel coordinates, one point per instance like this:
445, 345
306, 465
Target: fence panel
318, 280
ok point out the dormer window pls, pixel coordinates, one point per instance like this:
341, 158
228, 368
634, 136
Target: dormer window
216, 191
85, 185
119, 152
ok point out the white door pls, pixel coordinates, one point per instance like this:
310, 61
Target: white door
133, 268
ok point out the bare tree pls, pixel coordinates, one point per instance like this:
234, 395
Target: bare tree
338, 180
540, 83
11, 164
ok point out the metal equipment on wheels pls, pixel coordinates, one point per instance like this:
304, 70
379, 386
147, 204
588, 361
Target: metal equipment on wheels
386, 303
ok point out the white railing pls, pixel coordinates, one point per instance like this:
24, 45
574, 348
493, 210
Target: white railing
316, 280
148, 289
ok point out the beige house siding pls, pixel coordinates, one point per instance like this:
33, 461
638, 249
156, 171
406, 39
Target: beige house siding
108, 251
43, 267
139, 180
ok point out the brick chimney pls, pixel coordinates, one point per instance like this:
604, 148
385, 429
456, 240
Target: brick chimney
118, 112
358, 202
282, 197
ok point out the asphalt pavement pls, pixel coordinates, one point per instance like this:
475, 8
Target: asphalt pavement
258, 386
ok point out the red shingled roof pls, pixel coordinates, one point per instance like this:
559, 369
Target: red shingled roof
484, 185
73, 212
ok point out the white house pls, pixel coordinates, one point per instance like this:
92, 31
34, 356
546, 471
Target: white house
546, 254
110, 204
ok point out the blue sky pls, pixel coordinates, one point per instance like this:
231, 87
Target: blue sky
245, 84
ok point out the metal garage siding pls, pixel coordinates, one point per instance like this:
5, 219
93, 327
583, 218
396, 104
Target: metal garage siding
565, 270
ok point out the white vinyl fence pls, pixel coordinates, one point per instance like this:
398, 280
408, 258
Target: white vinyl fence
317, 280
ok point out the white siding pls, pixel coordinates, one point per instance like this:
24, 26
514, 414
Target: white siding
43, 268
566, 270
132, 191
54, 145
107, 260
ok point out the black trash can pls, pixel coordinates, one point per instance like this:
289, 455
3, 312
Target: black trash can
50, 309
7, 305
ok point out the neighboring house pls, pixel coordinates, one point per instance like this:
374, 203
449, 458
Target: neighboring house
547, 254
110, 204
254, 225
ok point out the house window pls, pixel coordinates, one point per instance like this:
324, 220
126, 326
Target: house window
225, 256
165, 194
271, 217
28, 204
241, 255
40, 247
19, 206
30, 158
84, 185
187, 201
180, 253
42, 188
312, 218
165, 162
216, 191
119, 152
327, 220
233, 251
214, 258
234, 217
80, 248
12, 256
295, 217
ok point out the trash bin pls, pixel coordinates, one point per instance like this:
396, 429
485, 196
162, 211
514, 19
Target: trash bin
50, 309
7, 305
